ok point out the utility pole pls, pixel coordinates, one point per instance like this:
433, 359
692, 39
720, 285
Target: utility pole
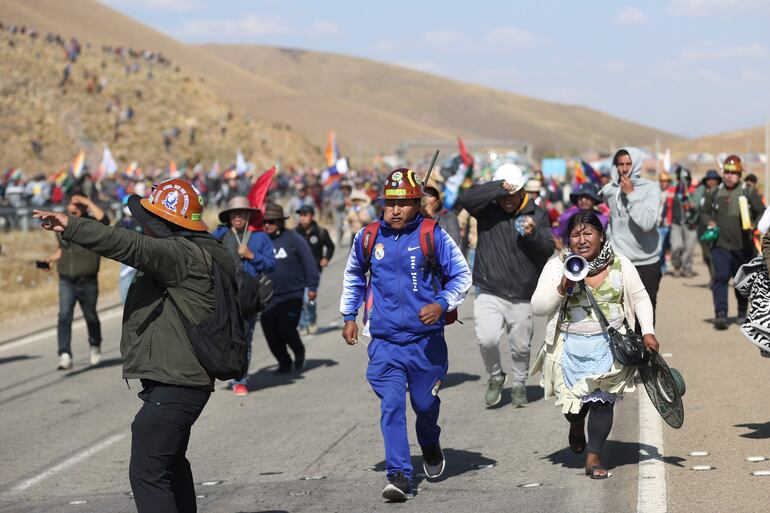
767, 158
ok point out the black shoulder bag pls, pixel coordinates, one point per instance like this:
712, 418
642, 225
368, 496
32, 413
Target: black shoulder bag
627, 348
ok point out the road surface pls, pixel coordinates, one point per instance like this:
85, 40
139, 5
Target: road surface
311, 442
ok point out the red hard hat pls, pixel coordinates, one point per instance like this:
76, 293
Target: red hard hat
733, 164
403, 183
178, 202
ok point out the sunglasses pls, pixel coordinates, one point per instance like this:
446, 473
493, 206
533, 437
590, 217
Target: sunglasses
269, 221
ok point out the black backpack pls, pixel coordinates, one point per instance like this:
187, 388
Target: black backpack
254, 292
219, 341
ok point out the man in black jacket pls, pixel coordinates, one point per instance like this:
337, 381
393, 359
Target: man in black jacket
322, 247
514, 242
295, 271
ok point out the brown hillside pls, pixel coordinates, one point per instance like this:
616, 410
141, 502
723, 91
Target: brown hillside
372, 106
92, 21
736, 141
64, 116
456, 107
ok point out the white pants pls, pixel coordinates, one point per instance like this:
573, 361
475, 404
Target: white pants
497, 318
683, 241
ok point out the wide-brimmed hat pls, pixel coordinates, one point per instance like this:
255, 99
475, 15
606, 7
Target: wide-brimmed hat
273, 212
235, 203
665, 389
359, 195
585, 189
534, 186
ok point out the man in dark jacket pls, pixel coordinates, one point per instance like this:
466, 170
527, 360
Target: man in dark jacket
295, 270
154, 344
735, 246
514, 242
78, 268
322, 247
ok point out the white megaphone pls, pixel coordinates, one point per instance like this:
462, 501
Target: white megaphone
575, 268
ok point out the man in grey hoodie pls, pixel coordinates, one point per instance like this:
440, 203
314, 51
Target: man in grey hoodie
634, 203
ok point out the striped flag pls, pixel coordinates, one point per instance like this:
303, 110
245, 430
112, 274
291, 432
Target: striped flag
332, 152
78, 164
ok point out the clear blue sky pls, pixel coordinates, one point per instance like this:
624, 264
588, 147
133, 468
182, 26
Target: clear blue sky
693, 67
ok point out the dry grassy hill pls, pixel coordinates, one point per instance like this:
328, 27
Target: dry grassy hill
430, 100
35, 105
372, 106
736, 141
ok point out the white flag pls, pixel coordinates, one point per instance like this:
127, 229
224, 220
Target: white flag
108, 163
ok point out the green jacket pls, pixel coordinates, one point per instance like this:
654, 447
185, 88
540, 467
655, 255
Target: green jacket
77, 261
162, 352
724, 211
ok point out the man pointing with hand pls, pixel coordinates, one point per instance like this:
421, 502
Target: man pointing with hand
407, 301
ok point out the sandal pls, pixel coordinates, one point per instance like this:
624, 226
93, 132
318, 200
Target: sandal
577, 442
597, 472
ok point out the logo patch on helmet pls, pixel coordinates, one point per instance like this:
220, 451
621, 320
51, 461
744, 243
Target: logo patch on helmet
395, 192
170, 201
397, 176
379, 251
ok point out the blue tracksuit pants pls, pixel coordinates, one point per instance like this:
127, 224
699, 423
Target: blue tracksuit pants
393, 368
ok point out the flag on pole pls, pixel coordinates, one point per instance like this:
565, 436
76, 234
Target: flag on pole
585, 173
78, 164
132, 167
257, 196
240, 164
332, 150
108, 166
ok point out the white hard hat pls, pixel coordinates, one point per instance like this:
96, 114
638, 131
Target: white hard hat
512, 174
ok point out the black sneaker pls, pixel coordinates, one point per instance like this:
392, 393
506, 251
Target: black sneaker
299, 362
720, 323
433, 462
282, 370
398, 489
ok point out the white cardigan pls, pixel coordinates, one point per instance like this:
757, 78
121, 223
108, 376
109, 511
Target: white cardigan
547, 300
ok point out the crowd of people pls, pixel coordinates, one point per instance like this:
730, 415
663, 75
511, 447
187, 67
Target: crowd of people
410, 264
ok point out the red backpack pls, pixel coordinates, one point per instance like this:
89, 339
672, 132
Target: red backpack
428, 247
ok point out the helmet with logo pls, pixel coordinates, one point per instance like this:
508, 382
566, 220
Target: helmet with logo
403, 183
733, 164
177, 202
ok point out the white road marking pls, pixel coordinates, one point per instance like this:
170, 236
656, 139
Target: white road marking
110, 314
651, 497
73, 460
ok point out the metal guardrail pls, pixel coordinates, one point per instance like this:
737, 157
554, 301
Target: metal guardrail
20, 218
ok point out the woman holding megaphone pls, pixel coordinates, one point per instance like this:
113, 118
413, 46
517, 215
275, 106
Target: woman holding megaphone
576, 359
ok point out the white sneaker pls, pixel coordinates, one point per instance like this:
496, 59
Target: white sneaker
96, 355
65, 362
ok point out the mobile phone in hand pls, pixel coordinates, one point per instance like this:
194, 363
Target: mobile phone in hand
42, 264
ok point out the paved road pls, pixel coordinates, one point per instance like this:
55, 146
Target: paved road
311, 442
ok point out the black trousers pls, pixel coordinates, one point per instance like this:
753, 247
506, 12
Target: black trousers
160, 474
600, 417
84, 290
650, 275
279, 324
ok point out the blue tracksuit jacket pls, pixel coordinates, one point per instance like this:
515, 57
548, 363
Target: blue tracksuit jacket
401, 284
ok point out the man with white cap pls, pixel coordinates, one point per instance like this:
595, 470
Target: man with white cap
514, 243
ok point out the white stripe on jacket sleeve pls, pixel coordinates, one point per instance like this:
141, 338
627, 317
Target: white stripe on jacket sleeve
455, 269
354, 282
